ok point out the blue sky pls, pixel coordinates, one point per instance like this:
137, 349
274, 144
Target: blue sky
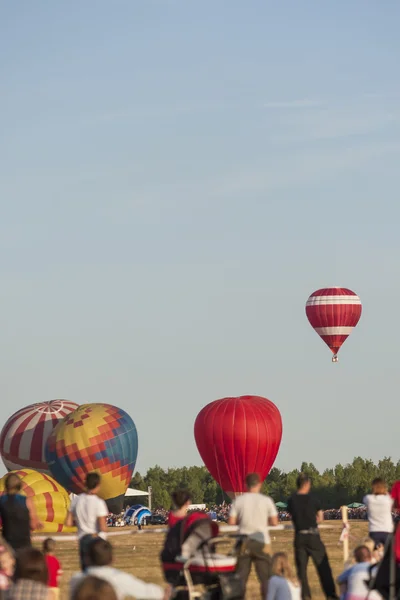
175, 179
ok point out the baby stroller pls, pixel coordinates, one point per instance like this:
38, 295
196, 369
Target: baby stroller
190, 559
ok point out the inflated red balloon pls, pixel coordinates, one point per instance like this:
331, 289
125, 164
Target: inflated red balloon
238, 436
333, 313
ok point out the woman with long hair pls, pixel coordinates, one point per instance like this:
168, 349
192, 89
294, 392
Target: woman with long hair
17, 513
283, 584
379, 506
30, 578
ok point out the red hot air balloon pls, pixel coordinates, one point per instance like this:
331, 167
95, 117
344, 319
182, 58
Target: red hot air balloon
238, 436
333, 313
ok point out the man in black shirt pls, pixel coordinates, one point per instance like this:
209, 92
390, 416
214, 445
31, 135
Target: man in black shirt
306, 513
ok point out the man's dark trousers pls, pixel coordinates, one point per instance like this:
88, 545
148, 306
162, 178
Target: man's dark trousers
308, 545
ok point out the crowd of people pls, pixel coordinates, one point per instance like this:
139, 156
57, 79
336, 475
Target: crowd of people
335, 514
218, 512
254, 513
27, 573
116, 520
221, 512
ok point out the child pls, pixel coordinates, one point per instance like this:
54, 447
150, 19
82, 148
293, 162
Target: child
282, 584
377, 552
7, 564
53, 567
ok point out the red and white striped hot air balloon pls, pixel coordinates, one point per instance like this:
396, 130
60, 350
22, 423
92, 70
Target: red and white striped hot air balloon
333, 313
24, 436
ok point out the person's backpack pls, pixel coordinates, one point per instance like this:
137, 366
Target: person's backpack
173, 543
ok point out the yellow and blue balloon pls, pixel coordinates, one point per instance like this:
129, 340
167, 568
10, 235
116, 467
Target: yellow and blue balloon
94, 438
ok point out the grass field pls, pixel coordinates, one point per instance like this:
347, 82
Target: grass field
143, 561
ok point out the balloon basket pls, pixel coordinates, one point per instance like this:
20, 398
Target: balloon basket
335, 358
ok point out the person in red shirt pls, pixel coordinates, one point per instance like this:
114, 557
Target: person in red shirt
395, 493
53, 567
181, 501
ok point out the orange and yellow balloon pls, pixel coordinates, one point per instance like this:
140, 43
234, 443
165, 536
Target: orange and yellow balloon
50, 499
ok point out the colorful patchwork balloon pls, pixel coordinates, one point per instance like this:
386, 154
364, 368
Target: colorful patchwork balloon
50, 499
95, 437
24, 436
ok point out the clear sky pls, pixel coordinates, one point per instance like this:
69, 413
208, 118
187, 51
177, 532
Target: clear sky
176, 177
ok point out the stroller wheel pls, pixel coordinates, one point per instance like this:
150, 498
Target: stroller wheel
212, 593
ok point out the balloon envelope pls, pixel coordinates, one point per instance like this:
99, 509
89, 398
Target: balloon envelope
24, 436
50, 499
333, 313
95, 437
238, 436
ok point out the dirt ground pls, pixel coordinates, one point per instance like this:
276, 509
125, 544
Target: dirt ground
139, 555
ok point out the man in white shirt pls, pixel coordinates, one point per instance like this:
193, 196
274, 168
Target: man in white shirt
125, 585
253, 513
89, 513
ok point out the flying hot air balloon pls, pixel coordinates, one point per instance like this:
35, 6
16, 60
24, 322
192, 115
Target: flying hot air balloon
24, 436
238, 436
95, 438
333, 313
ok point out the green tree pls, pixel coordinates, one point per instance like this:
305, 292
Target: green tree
137, 482
289, 483
387, 470
341, 485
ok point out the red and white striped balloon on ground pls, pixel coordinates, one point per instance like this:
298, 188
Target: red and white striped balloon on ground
333, 313
24, 436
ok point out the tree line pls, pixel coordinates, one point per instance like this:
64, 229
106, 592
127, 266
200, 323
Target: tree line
335, 487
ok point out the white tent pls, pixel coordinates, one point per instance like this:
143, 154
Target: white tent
129, 492
132, 492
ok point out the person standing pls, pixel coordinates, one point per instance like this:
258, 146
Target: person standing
253, 513
17, 514
89, 513
181, 501
379, 506
306, 513
395, 494
53, 567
